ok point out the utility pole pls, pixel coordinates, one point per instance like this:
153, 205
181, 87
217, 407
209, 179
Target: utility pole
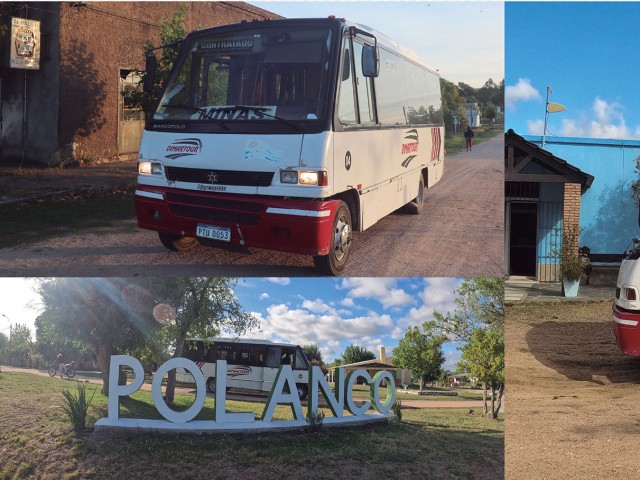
8, 320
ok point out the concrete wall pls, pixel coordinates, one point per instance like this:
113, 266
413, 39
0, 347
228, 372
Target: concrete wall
72, 102
29, 127
608, 216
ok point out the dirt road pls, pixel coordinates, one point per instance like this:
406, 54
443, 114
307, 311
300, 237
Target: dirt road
572, 397
464, 211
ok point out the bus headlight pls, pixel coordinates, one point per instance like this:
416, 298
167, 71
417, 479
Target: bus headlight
304, 177
288, 176
150, 168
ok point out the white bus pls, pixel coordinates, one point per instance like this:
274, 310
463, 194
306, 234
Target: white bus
251, 364
288, 135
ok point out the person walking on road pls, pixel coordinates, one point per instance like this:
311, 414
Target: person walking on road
468, 135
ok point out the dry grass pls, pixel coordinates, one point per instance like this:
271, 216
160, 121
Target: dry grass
36, 441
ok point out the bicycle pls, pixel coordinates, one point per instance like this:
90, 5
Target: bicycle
69, 369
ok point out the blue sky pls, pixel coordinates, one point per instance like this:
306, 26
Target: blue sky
587, 52
332, 313
464, 41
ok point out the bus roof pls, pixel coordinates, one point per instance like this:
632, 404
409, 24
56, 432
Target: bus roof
249, 341
382, 39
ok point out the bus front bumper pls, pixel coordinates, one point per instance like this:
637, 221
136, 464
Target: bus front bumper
297, 226
626, 326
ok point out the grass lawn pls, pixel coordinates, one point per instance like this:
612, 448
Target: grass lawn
362, 391
456, 143
36, 441
30, 223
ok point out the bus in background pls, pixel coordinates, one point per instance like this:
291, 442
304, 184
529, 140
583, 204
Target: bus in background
288, 135
251, 364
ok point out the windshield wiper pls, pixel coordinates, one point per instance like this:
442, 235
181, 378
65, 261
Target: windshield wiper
263, 111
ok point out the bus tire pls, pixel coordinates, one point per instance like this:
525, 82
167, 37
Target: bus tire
211, 385
177, 244
415, 206
340, 245
302, 391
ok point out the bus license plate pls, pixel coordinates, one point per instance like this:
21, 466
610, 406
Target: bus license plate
215, 233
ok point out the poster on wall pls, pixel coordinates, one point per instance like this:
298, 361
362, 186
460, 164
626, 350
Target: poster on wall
25, 44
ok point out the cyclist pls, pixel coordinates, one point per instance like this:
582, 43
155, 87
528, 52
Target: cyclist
60, 363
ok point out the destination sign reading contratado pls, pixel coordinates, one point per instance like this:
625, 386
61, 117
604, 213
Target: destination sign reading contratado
226, 44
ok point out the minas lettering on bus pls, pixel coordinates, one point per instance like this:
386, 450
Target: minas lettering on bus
344, 408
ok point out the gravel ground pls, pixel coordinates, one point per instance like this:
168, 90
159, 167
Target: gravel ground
463, 211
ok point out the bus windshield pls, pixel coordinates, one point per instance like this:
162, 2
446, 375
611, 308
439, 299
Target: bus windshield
254, 74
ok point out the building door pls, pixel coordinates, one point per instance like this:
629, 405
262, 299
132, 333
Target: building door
130, 120
523, 239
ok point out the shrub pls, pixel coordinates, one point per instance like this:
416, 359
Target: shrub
397, 409
76, 407
315, 421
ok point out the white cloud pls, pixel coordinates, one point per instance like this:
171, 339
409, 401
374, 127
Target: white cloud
604, 120
347, 302
264, 296
535, 127
300, 326
522, 91
279, 280
381, 289
318, 306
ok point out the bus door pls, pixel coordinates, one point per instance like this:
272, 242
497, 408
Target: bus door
274, 356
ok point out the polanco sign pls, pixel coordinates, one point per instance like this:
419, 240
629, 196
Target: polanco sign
283, 392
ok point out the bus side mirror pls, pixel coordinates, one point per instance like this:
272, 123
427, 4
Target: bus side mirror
150, 73
370, 61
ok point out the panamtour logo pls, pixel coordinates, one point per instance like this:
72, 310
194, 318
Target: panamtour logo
410, 147
183, 148
237, 371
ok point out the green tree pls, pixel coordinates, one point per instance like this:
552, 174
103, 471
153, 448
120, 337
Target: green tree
355, 354
4, 341
172, 31
95, 312
479, 312
421, 352
452, 105
21, 344
313, 353
479, 304
196, 307
483, 358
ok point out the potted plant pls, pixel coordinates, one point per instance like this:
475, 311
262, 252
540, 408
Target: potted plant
571, 264
585, 260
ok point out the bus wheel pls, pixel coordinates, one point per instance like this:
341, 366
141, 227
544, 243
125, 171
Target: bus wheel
334, 262
211, 385
177, 244
414, 207
302, 391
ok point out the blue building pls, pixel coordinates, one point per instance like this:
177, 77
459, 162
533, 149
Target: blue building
539, 202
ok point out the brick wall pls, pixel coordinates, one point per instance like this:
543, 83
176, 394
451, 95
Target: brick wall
99, 39
571, 211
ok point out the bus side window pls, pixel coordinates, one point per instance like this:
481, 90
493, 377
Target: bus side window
245, 358
273, 357
347, 101
363, 84
301, 364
